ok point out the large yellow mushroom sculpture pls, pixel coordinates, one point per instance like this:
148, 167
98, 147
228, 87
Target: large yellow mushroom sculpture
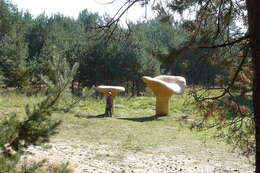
163, 87
115, 90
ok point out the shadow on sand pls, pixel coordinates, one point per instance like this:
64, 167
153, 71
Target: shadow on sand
143, 119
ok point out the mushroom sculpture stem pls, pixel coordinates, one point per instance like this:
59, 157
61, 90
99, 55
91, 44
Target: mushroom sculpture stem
115, 90
162, 105
163, 87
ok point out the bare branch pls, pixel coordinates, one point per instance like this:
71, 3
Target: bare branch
112, 25
111, 2
115, 19
219, 18
245, 37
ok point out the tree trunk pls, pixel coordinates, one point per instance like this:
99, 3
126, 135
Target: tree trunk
127, 87
133, 88
253, 7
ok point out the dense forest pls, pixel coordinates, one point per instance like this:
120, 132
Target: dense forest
28, 43
210, 51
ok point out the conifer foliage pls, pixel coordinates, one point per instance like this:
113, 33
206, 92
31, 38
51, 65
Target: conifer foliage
37, 126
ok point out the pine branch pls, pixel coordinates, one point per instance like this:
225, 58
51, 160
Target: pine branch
227, 89
245, 37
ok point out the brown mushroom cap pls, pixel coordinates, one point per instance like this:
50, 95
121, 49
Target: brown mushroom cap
104, 89
166, 84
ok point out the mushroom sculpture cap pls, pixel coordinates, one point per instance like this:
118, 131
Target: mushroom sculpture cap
166, 84
104, 89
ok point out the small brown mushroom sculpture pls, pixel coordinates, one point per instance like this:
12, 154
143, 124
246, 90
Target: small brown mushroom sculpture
115, 90
163, 87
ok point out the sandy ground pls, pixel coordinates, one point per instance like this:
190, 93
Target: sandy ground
85, 158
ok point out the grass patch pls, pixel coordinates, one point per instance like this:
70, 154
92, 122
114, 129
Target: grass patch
133, 126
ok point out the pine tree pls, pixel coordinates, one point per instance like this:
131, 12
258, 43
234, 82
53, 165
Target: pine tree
37, 126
